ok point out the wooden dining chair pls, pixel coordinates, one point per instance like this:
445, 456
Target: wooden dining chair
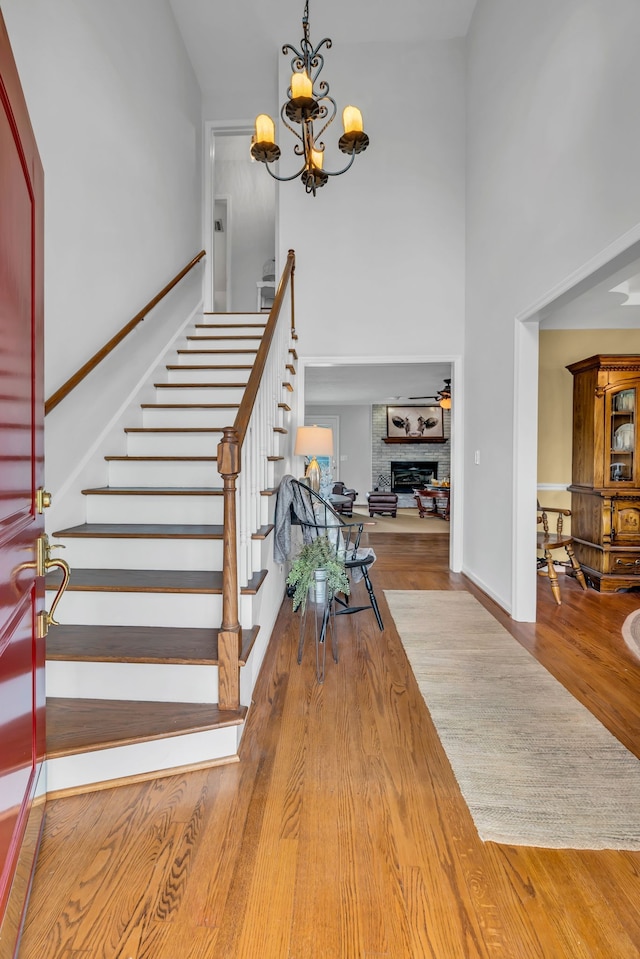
547, 541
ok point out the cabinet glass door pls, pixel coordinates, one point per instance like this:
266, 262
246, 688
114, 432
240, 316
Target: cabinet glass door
622, 436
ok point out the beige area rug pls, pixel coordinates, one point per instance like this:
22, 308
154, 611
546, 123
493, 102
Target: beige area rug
631, 632
534, 766
407, 520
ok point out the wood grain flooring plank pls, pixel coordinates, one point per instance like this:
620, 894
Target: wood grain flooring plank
342, 833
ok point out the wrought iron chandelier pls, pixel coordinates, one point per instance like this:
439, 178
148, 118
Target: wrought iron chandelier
308, 102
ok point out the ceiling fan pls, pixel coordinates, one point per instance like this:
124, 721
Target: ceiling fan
442, 397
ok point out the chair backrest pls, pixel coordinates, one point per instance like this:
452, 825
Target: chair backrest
317, 517
544, 518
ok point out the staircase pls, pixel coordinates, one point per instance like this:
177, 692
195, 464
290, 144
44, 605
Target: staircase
132, 675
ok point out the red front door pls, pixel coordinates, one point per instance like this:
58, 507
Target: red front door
22, 696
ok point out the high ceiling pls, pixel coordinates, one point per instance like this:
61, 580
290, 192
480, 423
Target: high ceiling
232, 38
246, 38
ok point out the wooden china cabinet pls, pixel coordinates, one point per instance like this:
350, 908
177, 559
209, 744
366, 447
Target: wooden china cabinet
605, 487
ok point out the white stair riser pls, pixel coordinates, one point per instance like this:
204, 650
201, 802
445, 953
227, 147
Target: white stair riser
203, 328
204, 356
84, 608
149, 682
209, 342
173, 444
140, 758
275, 471
112, 553
158, 473
188, 417
154, 509
198, 394
209, 376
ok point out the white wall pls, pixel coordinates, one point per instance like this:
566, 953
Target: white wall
380, 250
251, 222
552, 179
115, 108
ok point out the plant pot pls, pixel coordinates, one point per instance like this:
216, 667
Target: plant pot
318, 589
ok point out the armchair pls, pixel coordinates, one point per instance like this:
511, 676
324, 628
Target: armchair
340, 490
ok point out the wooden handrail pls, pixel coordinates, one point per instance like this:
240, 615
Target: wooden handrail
229, 465
253, 384
91, 364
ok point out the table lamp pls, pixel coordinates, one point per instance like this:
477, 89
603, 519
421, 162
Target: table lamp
314, 441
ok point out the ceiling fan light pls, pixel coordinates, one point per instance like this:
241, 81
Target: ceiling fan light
445, 403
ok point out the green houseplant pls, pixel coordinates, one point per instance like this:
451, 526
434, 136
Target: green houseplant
317, 555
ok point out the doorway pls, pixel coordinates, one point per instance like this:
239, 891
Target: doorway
239, 222
570, 305
341, 380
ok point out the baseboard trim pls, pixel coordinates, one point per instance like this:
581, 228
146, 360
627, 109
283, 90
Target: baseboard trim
140, 778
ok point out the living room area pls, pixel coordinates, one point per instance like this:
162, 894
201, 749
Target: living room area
391, 437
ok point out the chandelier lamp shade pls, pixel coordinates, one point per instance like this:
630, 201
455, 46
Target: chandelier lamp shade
314, 441
307, 112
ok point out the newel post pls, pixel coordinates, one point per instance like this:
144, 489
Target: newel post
230, 633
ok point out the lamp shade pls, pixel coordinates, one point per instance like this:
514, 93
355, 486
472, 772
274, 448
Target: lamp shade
314, 441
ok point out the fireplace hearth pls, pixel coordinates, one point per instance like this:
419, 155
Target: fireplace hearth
407, 475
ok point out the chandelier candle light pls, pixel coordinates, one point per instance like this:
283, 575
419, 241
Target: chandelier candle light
309, 101
313, 441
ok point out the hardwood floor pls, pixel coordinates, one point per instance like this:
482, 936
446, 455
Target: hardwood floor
342, 834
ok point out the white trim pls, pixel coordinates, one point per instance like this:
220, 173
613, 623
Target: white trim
525, 469
226, 198
525, 439
554, 487
456, 525
602, 259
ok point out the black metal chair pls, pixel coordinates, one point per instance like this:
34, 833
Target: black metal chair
316, 517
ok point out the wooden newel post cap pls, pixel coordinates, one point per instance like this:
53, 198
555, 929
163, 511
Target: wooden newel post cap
229, 452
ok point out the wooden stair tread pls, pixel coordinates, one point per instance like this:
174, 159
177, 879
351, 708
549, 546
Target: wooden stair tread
263, 532
229, 326
140, 644
190, 406
173, 429
162, 459
215, 352
82, 725
199, 386
148, 581
143, 531
154, 491
200, 366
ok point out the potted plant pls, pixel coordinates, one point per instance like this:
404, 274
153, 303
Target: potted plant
317, 565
